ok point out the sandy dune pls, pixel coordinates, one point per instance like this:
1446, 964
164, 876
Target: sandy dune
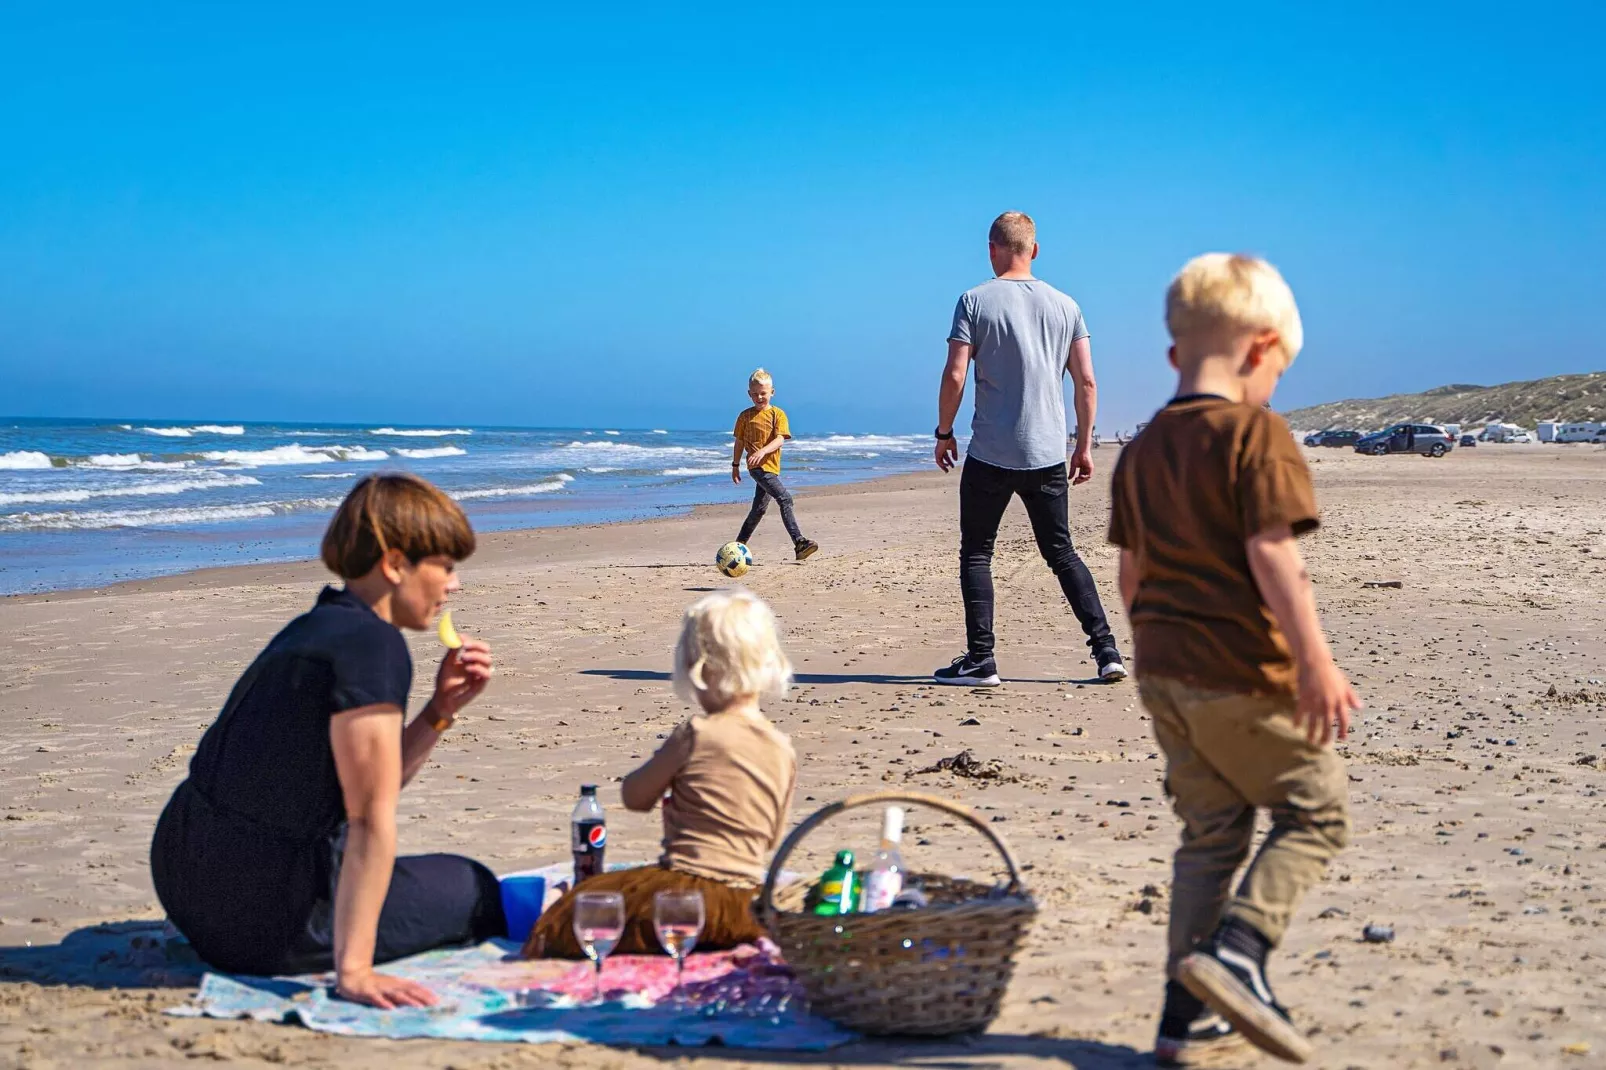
1477, 771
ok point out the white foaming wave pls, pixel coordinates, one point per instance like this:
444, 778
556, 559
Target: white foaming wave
558, 482
295, 454
599, 470
17, 459
610, 432
198, 429
328, 475
696, 471
141, 518
438, 451
44, 497
858, 443
130, 462
423, 433
656, 431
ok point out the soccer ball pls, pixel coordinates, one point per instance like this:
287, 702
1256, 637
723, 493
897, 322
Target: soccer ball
734, 559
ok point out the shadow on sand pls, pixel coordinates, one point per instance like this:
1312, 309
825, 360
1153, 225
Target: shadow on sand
638, 675
961, 1053
117, 954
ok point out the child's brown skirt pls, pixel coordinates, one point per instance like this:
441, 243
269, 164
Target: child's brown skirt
727, 912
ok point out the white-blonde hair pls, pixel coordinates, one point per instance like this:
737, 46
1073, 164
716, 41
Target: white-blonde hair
729, 647
760, 377
1219, 296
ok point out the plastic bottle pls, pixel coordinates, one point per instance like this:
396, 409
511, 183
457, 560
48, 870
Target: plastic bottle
588, 834
838, 890
885, 879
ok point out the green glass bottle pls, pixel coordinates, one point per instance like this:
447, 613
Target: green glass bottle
838, 887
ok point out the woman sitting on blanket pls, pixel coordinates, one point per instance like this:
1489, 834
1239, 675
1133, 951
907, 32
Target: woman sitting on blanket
729, 775
278, 853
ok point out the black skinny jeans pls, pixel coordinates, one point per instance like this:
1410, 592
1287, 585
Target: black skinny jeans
767, 485
984, 493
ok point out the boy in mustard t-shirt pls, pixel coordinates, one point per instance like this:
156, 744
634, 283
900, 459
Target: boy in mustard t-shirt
1232, 664
760, 431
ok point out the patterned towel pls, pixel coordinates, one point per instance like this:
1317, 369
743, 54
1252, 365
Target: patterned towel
745, 998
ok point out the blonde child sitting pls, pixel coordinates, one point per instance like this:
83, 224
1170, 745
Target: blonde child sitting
725, 778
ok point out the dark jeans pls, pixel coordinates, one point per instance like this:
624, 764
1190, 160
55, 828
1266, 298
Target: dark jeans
768, 485
984, 493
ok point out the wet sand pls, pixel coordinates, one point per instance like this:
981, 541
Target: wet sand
1477, 770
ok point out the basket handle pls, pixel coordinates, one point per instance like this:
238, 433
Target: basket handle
766, 899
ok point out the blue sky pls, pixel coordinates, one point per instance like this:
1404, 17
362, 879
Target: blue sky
609, 215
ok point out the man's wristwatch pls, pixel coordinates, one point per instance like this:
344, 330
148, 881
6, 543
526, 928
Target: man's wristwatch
941, 435
442, 722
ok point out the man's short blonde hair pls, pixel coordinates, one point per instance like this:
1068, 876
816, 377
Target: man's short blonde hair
760, 377
729, 647
1219, 297
1014, 231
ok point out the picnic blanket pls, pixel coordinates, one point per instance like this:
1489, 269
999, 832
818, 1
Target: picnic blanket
745, 998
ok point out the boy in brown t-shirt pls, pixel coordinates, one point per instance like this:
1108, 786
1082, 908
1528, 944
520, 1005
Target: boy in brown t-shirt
1231, 661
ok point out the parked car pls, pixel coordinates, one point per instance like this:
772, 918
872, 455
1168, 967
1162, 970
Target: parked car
1426, 439
1333, 438
1469, 440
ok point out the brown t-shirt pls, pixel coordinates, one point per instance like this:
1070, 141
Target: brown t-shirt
1188, 493
730, 778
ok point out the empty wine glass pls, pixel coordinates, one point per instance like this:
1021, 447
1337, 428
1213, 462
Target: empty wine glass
599, 921
678, 918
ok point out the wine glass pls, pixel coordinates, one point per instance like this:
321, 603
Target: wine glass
678, 918
599, 921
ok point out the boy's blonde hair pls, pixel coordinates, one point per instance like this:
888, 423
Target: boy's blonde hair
1218, 297
760, 377
729, 647
1014, 231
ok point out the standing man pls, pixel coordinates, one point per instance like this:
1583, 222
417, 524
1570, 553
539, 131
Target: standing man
1022, 335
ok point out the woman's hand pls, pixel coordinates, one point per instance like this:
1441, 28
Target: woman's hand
463, 674
379, 990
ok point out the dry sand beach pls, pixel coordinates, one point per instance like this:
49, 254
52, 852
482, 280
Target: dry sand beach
1478, 771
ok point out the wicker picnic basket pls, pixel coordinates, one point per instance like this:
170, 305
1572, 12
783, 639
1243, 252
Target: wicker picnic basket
935, 971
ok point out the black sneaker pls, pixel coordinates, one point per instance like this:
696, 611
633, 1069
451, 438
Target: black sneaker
1193, 1035
1111, 669
806, 548
967, 671
1233, 982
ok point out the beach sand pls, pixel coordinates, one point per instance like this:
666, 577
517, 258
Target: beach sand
1478, 791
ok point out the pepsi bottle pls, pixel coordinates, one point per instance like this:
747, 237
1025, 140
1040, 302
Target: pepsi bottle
588, 834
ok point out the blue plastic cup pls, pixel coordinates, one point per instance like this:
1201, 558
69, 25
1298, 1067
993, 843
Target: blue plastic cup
522, 900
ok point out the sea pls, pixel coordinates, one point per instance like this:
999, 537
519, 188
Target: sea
84, 503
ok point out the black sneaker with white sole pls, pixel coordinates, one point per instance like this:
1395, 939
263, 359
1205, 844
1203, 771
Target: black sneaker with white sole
1229, 974
967, 671
1193, 1035
1111, 669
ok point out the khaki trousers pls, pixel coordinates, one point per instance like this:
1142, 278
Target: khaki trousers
1227, 755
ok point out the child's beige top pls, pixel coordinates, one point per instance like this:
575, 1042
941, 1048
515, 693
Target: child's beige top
730, 778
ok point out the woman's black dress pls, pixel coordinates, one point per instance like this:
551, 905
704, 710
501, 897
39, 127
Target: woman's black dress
247, 852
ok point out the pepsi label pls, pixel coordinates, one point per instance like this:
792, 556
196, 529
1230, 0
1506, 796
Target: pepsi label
590, 843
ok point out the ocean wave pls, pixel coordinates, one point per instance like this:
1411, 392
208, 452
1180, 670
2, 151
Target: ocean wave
558, 482
329, 475
426, 433
438, 451
26, 459
858, 443
71, 520
295, 454
199, 429
610, 432
696, 471
656, 431
600, 470
84, 494
130, 462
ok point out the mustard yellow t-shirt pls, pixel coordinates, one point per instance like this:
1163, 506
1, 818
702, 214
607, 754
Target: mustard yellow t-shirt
757, 428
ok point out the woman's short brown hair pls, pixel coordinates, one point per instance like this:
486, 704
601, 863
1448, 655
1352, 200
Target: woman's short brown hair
394, 511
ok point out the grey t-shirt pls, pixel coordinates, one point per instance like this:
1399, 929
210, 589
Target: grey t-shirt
1021, 331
